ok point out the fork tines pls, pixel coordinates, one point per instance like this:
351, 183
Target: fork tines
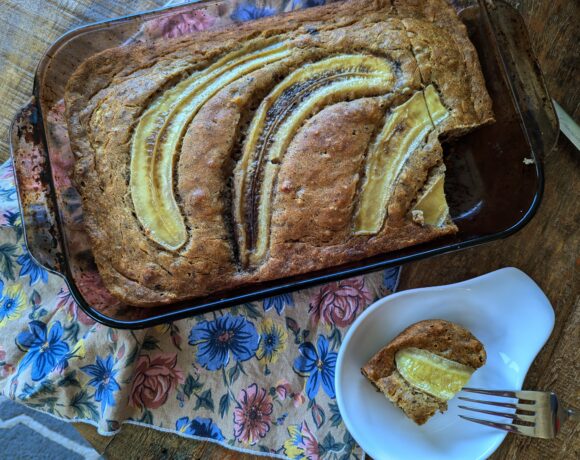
524, 395
522, 413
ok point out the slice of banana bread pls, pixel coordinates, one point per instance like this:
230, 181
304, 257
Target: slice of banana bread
442, 338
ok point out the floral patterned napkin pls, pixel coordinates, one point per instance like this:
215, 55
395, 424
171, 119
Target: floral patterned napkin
257, 377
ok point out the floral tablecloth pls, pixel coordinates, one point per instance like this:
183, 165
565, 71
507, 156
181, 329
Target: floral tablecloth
258, 377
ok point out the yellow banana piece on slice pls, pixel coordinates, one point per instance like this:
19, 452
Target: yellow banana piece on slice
432, 203
431, 373
405, 129
158, 135
298, 97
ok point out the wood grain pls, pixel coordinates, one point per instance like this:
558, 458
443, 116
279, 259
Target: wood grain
139, 442
547, 249
555, 35
28, 28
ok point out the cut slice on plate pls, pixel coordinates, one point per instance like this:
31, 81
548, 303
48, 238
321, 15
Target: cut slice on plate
425, 366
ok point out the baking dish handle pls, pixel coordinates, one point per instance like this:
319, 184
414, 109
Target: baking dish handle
33, 181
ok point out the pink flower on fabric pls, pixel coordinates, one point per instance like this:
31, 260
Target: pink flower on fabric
68, 304
6, 369
311, 449
252, 414
298, 399
283, 389
340, 302
155, 377
302, 443
180, 25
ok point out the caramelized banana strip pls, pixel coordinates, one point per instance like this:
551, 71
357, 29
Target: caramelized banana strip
158, 136
432, 203
298, 97
404, 131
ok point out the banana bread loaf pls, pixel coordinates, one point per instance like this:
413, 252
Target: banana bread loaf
271, 148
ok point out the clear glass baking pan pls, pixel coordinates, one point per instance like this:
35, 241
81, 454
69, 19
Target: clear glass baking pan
494, 177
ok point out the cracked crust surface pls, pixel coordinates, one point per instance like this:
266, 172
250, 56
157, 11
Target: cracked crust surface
443, 338
318, 180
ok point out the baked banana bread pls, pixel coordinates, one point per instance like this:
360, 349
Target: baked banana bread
444, 339
271, 148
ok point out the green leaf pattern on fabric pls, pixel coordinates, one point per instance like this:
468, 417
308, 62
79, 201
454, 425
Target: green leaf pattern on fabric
257, 376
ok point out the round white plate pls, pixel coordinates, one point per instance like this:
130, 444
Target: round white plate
504, 309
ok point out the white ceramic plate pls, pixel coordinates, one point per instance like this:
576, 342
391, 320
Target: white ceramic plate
504, 309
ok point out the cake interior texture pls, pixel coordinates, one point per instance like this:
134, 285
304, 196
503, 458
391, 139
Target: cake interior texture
446, 340
272, 148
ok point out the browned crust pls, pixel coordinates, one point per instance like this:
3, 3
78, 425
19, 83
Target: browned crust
417, 405
438, 336
108, 92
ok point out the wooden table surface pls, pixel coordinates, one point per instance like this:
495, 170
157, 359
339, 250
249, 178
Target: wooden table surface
547, 249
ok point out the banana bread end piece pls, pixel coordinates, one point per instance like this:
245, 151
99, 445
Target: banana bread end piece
440, 337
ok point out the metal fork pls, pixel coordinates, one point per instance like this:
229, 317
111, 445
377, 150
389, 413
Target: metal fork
537, 413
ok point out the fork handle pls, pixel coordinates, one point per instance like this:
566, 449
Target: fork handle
572, 414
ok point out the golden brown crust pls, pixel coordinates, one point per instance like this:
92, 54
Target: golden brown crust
417, 405
107, 95
438, 336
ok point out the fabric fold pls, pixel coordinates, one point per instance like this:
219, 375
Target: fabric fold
256, 378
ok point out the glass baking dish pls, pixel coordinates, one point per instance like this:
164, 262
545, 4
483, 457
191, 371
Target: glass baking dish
494, 178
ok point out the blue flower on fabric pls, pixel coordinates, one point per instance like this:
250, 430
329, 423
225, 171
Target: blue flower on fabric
249, 11
103, 380
278, 302
46, 351
199, 426
8, 194
12, 303
11, 218
216, 339
318, 365
391, 278
31, 268
273, 338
